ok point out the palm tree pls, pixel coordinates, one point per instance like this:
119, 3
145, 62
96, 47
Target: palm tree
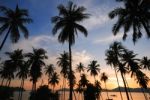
82, 84
13, 21
104, 78
3, 73
145, 63
49, 70
54, 80
98, 89
63, 62
112, 60
16, 58
23, 74
8, 70
13, 63
114, 54
83, 81
68, 23
94, 69
80, 68
142, 80
135, 15
36, 61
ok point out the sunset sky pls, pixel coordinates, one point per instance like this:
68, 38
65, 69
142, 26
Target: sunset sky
93, 47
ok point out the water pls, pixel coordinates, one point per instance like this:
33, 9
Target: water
135, 95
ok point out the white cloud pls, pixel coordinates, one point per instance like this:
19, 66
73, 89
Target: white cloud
83, 57
36, 41
108, 39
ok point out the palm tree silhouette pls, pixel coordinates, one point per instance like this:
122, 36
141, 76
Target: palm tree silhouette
54, 80
80, 68
36, 61
82, 84
63, 62
13, 21
23, 74
114, 54
142, 80
104, 78
4, 72
15, 60
94, 69
98, 89
49, 70
112, 60
9, 72
133, 15
145, 63
68, 23
83, 81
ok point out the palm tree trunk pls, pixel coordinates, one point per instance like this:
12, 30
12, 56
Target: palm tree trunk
9, 83
125, 86
6, 82
22, 89
74, 96
129, 89
2, 82
64, 88
32, 86
101, 96
2, 44
70, 72
106, 90
53, 89
118, 84
144, 94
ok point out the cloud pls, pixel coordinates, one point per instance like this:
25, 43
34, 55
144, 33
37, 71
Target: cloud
83, 57
108, 39
99, 13
35, 41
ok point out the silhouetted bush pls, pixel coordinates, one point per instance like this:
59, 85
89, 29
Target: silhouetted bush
90, 93
6, 93
44, 93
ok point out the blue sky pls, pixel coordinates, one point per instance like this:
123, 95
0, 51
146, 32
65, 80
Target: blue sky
85, 49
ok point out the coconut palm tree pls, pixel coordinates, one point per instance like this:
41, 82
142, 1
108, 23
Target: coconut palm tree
3, 73
13, 21
135, 15
9, 72
36, 61
145, 63
82, 84
68, 23
23, 74
98, 89
142, 80
80, 68
54, 80
114, 54
94, 69
49, 70
63, 62
83, 81
16, 59
112, 60
104, 78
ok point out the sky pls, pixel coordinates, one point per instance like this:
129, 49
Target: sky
86, 49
